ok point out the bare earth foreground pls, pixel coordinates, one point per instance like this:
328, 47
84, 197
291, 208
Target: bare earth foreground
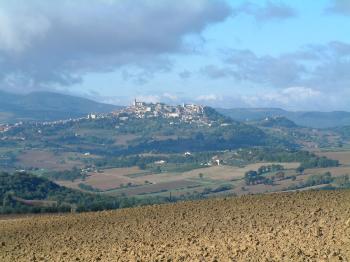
305, 226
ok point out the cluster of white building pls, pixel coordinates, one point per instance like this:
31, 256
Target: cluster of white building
7, 127
4, 128
186, 112
189, 113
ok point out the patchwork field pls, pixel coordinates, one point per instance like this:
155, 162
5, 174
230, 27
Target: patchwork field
281, 185
133, 181
171, 186
304, 226
231, 172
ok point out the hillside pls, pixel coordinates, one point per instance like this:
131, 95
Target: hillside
304, 226
23, 193
301, 118
306, 137
142, 180
276, 122
155, 128
46, 106
343, 131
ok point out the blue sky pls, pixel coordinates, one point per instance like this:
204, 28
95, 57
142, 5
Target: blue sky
289, 54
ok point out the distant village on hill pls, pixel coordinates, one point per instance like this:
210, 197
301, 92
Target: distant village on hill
185, 113
189, 113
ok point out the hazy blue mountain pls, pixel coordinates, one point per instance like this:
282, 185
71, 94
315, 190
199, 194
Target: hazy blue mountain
302, 118
43, 106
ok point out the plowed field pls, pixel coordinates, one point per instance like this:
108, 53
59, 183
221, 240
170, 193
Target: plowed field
304, 226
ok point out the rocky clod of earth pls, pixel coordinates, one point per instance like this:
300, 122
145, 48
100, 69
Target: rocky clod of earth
304, 226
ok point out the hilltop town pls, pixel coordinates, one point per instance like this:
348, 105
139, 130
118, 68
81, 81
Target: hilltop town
185, 113
188, 113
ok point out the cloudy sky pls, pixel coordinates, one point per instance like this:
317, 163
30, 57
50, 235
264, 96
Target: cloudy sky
226, 53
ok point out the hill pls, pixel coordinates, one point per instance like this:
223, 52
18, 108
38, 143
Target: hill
276, 121
46, 106
24, 193
302, 118
304, 226
149, 128
344, 131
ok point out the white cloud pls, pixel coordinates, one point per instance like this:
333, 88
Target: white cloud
149, 98
17, 33
291, 98
170, 96
321, 67
300, 93
46, 43
167, 98
208, 98
288, 98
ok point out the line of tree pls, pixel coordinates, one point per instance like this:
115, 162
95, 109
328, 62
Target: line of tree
305, 158
253, 178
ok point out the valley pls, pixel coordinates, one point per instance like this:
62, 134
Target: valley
150, 153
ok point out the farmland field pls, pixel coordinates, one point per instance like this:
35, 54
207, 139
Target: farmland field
304, 226
161, 187
336, 171
134, 181
342, 156
231, 172
107, 179
47, 160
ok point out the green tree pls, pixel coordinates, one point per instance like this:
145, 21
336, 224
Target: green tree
300, 170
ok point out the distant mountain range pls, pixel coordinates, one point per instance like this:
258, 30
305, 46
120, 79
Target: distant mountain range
49, 106
46, 106
313, 119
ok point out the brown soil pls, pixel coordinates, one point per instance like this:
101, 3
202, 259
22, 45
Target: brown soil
304, 226
342, 156
46, 160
